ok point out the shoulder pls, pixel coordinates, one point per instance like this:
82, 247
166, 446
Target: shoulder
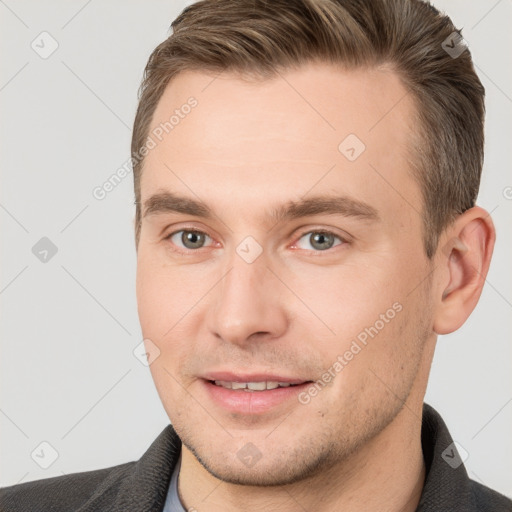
136, 485
489, 500
62, 493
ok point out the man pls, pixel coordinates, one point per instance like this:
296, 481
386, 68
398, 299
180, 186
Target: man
305, 179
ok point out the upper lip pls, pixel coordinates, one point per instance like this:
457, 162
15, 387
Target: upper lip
251, 377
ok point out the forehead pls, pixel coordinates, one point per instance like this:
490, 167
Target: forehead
319, 126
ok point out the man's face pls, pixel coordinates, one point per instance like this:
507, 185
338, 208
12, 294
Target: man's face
253, 297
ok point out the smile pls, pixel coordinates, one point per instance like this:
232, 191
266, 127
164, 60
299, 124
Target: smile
252, 386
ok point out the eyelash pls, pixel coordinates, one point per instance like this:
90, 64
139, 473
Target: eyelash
309, 232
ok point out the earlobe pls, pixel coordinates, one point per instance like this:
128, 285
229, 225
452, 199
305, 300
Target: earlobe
465, 256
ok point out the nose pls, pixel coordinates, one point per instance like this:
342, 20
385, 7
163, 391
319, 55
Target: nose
248, 304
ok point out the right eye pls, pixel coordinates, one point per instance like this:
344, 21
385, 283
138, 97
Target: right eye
190, 239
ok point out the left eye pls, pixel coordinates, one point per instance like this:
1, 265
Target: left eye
189, 239
320, 240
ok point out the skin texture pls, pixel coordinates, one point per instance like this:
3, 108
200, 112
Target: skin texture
248, 147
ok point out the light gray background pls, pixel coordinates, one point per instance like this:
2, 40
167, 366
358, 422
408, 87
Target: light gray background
69, 326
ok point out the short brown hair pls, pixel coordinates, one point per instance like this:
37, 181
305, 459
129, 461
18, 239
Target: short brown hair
258, 37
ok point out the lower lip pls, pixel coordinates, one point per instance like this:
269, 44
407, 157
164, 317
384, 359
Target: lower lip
252, 402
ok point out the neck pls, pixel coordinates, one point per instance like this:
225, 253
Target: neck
387, 474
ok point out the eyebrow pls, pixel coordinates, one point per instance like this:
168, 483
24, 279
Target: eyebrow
168, 202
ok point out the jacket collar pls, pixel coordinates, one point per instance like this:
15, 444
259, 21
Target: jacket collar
139, 486
447, 485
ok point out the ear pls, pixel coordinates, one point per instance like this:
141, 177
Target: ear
135, 234
463, 256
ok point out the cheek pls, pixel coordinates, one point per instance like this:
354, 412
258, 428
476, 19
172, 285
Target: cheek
160, 296
347, 298
365, 313
149, 292
170, 307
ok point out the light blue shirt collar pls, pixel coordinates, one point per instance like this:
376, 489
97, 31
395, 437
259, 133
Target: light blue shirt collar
172, 501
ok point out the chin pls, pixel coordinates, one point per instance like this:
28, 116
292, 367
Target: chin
269, 468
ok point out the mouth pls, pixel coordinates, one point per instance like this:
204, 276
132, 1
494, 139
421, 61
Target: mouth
254, 394
254, 386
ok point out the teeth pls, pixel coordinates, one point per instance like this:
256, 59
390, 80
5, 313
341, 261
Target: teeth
253, 386
223, 383
257, 386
